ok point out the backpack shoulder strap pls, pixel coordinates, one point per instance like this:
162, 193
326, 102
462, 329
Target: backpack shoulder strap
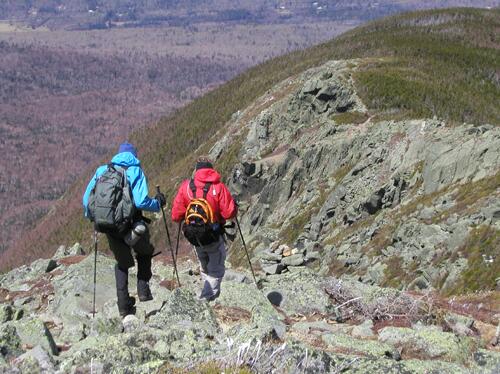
192, 186
122, 170
206, 188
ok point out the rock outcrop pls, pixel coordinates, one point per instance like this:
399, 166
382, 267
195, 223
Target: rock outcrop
397, 203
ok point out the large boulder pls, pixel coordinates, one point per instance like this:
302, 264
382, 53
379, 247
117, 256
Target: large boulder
35, 360
264, 320
114, 353
73, 295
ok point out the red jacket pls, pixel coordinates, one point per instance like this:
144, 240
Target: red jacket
218, 196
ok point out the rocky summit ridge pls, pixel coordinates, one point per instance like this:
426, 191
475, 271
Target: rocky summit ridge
375, 240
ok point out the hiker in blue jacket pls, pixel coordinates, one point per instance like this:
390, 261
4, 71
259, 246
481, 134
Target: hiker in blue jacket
122, 244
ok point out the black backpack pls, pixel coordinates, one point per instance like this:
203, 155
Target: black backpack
111, 206
199, 226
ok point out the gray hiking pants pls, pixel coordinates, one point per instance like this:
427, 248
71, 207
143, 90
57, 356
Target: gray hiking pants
212, 257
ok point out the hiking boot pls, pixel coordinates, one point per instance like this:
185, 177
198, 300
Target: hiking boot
126, 306
143, 290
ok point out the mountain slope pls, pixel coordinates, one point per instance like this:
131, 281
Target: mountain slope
410, 204
56, 85
51, 97
435, 63
374, 228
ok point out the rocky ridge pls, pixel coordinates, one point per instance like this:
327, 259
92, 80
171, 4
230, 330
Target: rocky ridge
374, 199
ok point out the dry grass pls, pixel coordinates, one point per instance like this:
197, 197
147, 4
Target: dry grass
467, 196
352, 306
482, 250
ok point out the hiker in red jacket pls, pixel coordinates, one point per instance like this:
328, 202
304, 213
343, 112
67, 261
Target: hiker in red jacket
206, 235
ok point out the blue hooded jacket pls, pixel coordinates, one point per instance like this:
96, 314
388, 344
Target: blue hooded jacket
136, 179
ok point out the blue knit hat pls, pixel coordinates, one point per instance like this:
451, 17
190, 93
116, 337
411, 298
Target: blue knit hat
127, 147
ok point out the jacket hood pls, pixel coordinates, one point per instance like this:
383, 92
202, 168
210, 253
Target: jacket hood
207, 175
125, 159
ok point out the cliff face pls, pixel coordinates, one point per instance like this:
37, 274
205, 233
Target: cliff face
413, 203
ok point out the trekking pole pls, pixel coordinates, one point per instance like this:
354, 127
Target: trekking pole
95, 271
246, 251
169, 241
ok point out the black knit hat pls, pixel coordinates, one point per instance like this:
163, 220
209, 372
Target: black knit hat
204, 163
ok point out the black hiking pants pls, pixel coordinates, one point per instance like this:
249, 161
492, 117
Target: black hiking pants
123, 254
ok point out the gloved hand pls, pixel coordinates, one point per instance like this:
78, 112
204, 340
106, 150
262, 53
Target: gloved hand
161, 199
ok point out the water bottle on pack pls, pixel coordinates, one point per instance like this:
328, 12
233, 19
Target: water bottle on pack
134, 235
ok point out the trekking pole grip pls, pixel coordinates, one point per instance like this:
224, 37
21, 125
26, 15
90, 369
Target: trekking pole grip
158, 188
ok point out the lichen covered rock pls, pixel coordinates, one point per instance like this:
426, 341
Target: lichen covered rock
429, 343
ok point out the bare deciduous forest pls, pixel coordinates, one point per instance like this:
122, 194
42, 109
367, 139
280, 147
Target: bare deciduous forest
102, 14
67, 98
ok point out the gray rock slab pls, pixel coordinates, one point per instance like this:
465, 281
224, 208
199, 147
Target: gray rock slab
33, 331
44, 361
102, 326
313, 255
270, 256
293, 260
366, 347
273, 269
235, 276
298, 292
184, 309
73, 290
